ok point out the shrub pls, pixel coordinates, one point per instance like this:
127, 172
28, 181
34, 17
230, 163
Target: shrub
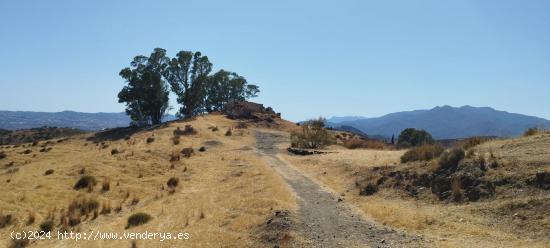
19, 243
85, 182
83, 205
3, 155
187, 152
202, 149
312, 135
422, 153
114, 151
414, 137
450, 159
138, 219
176, 140
188, 130
106, 185
533, 131
49, 172
214, 129
46, 226
150, 140
473, 141
172, 182
228, 132
5, 220
31, 218
174, 156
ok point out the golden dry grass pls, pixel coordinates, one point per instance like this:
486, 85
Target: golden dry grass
444, 225
223, 193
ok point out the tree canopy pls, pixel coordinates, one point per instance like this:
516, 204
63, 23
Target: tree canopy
414, 137
146, 94
188, 75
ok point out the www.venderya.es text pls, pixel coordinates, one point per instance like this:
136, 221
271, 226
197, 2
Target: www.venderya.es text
97, 235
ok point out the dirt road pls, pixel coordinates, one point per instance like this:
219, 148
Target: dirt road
323, 220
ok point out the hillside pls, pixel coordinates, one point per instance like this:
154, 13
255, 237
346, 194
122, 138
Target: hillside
449, 122
13, 120
229, 182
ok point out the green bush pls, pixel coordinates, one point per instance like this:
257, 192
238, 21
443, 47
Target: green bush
46, 226
414, 137
422, 153
312, 135
138, 219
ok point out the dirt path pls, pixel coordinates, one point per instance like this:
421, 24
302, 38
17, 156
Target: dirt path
322, 219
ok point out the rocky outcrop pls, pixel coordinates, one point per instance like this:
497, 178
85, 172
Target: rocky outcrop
249, 110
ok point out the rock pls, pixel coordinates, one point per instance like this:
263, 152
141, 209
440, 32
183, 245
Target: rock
247, 110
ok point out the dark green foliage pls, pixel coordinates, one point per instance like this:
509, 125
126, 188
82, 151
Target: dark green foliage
46, 226
138, 219
146, 93
172, 182
85, 182
224, 86
422, 153
312, 135
187, 74
414, 137
197, 91
450, 159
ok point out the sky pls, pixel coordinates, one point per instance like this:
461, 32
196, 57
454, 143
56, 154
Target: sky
310, 58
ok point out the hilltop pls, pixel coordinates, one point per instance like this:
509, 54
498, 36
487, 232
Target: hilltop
448, 122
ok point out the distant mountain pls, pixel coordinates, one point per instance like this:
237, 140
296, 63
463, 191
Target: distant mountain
13, 120
337, 119
448, 122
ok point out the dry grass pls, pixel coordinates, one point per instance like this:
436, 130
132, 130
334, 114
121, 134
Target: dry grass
356, 143
444, 224
205, 182
422, 153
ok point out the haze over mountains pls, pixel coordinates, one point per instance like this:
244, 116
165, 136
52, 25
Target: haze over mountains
445, 122
12, 120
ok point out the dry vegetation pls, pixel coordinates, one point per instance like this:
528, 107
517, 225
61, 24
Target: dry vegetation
219, 196
514, 214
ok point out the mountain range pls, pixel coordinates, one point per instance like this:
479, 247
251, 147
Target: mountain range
445, 122
13, 120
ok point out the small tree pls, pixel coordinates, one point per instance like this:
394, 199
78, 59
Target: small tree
146, 94
312, 135
414, 137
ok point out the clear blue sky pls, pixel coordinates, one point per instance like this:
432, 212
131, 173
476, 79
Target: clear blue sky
310, 58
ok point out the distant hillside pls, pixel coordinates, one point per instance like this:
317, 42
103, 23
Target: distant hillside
12, 120
448, 122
